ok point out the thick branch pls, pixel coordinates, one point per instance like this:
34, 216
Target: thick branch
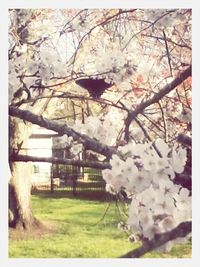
184, 139
182, 230
89, 143
164, 91
74, 162
184, 180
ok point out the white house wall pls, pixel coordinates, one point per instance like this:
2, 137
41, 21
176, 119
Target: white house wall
41, 147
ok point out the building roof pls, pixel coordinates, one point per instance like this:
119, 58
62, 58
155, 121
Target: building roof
43, 133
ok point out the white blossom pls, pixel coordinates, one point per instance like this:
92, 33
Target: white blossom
158, 205
141, 181
45, 73
162, 147
183, 200
76, 149
185, 115
179, 157
149, 162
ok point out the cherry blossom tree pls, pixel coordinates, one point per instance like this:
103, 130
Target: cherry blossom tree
133, 112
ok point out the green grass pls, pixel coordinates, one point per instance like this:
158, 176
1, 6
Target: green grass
82, 230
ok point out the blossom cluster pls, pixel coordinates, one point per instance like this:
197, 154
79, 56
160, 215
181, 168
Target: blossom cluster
34, 69
62, 142
164, 17
115, 65
80, 23
92, 127
67, 142
146, 174
101, 130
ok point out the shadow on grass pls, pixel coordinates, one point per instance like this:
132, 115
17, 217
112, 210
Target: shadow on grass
101, 196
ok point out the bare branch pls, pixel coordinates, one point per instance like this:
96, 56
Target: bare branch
168, 40
73, 162
182, 230
164, 121
168, 54
68, 95
164, 91
108, 19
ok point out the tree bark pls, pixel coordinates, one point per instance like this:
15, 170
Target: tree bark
20, 209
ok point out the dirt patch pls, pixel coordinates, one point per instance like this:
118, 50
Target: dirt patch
43, 229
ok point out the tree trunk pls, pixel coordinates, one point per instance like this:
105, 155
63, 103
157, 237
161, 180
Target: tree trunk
20, 210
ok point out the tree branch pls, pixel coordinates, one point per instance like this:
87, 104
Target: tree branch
107, 20
169, 40
168, 54
164, 91
68, 95
184, 139
182, 230
61, 128
73, 162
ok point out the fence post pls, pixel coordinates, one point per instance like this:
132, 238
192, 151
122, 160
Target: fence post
52, 185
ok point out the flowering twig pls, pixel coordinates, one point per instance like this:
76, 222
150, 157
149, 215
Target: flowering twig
182, 230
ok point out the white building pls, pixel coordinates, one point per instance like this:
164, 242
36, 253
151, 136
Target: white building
40, 145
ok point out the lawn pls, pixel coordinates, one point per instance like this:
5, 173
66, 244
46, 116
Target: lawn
78, 228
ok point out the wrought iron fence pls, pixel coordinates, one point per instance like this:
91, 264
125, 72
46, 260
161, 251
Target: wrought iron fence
76, 179
72, 179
